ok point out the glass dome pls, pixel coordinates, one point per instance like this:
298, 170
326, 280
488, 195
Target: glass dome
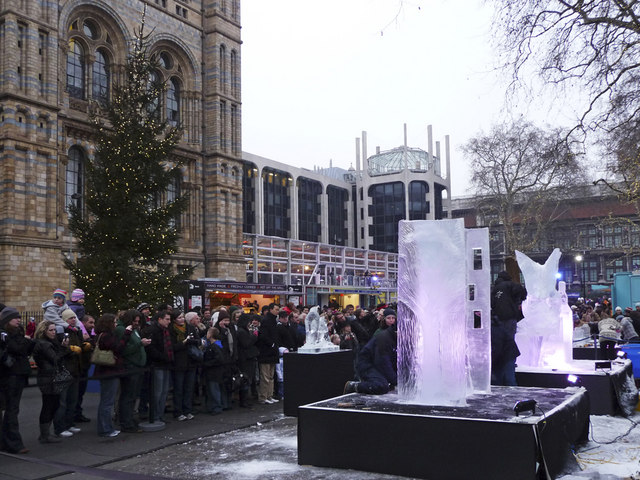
397, 159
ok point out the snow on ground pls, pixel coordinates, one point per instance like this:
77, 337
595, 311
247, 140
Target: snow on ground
613, 450
269, 452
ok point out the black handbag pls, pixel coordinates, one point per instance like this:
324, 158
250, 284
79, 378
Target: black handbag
56, 383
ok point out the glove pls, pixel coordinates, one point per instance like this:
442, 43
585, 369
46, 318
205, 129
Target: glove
75, 349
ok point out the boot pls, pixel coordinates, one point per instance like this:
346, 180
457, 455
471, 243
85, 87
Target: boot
45, 434
350, 387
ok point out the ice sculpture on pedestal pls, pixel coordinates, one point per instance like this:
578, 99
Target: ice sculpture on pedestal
317, 334
443, 311
545, 333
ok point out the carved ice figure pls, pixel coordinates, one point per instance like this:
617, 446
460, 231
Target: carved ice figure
443, 351
317, 334
544, 335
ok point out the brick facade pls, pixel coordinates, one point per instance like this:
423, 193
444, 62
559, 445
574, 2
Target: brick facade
42, 118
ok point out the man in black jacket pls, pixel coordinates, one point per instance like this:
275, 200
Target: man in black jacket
506, 298
377, 364
269, 355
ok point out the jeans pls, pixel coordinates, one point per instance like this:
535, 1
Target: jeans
10, 438
108, 392
183, 383
129, 389
214, 398
82, 388
49, 407
63, 418
161, 379
373, 383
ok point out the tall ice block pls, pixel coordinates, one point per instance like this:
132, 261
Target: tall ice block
443, 312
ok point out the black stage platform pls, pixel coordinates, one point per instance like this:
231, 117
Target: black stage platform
605, 386
483, 440
311, 377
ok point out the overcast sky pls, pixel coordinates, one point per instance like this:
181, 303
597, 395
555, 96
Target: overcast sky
316, 74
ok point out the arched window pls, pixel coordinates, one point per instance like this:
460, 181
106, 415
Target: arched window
154, 87
173, 193
234, 73
74, 179
173, 101
224, 79
100, 78
75, 69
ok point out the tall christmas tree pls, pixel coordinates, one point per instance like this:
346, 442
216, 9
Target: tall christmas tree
128, 231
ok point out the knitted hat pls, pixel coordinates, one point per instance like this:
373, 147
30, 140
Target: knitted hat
142, 306
67, 314
222, 315
233, 308
60, 292
618, 309
77, 294
8, 314
389, 311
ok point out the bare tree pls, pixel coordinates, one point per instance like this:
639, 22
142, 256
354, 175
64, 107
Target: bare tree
592, 46
521, 175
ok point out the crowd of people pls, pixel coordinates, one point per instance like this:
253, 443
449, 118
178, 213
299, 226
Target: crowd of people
153, 361
607, 325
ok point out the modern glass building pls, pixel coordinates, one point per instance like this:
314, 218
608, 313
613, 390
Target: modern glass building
334, 232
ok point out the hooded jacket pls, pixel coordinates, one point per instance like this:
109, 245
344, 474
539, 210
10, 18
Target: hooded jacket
53, 313
506, 297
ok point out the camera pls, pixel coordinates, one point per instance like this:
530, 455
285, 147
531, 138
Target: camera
66, 335
3, 336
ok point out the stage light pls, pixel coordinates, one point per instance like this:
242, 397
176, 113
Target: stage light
621, 355
573, 379
558, 275
525, 406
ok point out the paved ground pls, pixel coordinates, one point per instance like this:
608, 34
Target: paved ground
87, 449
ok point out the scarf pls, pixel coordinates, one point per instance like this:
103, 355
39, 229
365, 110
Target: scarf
168, 348
181, 331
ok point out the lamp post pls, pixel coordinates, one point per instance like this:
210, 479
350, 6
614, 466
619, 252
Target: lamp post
580, 260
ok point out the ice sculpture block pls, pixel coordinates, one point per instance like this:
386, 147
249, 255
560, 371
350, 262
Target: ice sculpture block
317, 334
443, 348
545, 333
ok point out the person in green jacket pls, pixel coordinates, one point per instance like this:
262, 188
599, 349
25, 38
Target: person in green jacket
135, 360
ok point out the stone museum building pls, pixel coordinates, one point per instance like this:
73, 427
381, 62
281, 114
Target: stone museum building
249, 219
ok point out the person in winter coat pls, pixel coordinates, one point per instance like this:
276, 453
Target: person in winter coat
213, 368
77, 304
269, 355
14, 372
183, 337
53, 309
247, 355
506, 298
376, 365
230, 347
160, 357
48, 353
609, 330
134, 359
63, 419
87, 325
286, 341
387, 319
106, 339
